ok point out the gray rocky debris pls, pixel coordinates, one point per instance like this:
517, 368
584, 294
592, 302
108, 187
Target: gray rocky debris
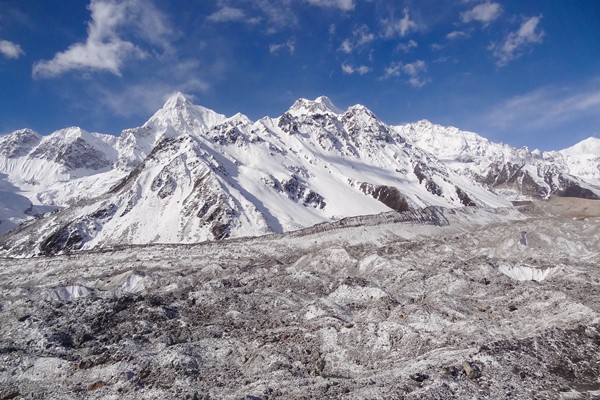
348, 310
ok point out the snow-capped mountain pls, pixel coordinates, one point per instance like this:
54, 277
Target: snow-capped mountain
514, 173
190, 174
583, 159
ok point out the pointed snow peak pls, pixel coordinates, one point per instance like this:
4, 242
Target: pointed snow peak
69, 134
590, 145
239, 118
177, 101
181, 114
327, 104
321, 105
359, 108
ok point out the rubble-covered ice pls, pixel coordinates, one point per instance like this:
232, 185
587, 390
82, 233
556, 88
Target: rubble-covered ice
378, 307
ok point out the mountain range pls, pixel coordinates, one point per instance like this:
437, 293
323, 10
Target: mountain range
190, 174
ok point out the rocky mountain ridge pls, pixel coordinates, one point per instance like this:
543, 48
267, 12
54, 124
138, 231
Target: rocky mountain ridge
190, 174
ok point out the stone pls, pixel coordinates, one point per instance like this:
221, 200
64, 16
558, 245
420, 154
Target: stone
419, 376
471, 370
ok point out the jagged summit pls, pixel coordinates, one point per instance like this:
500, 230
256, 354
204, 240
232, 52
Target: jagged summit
320, 105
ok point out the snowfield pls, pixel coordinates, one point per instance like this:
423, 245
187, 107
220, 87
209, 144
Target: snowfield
432, 304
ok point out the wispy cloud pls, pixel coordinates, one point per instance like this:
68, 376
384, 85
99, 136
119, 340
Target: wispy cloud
457, 35
546, 108
406, 47
232, 14
105, 48
142, 96
273, 15
227, 14
350, 69
484, 13
516, 42
344, 5
414, 72
289, 45
10, 49
402, 27
361, 36
392, 70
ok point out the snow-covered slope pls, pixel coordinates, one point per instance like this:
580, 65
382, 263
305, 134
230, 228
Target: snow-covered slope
583, 159
46, 172
190, 174
511, 172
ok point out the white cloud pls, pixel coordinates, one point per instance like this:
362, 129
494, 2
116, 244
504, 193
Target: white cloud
406, 47
10, 49
456, 35
546, 108
105, 49
392, 70
346, 46
344, 5
401, 27
277, 15
290, 45
361, 36
512, 47
232, 14
226, 14
484, 13
349, 69
413, 71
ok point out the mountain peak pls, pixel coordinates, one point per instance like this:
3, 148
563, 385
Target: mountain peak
590, 145
180, 113
321, 104
177, 100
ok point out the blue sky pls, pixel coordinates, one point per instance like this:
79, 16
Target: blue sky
522, 72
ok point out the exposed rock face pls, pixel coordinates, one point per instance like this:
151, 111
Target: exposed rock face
19, 143
390, 196
75, 234
73, 154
